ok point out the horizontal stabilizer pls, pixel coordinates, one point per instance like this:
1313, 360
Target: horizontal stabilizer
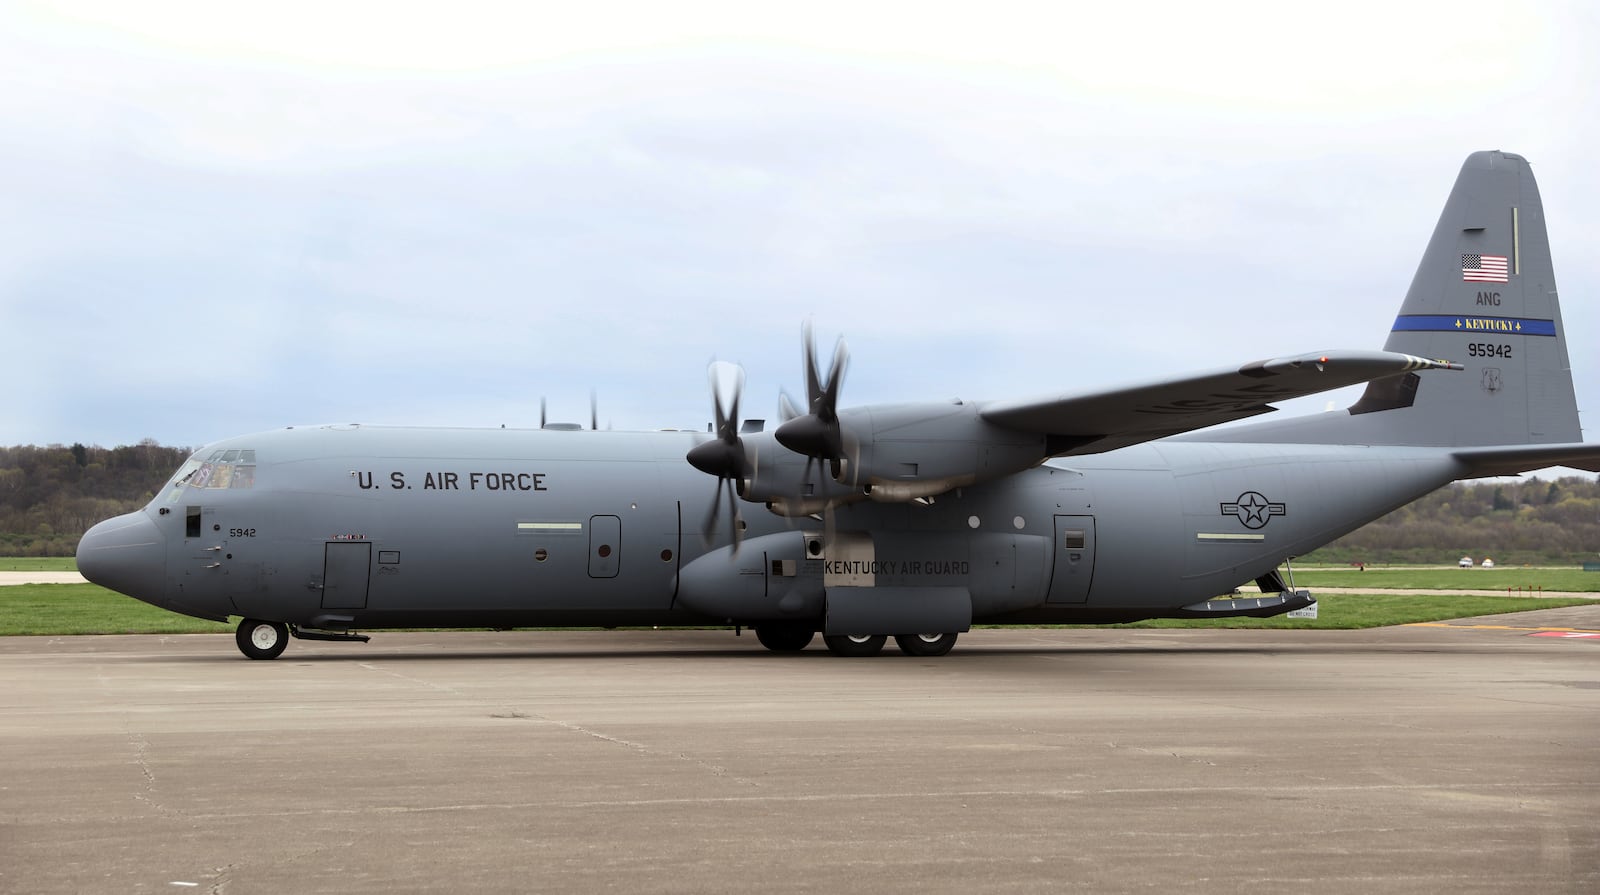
1092, 422
1520, 458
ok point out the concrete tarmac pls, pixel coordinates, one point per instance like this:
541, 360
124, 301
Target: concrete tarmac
1412, 759
9, 578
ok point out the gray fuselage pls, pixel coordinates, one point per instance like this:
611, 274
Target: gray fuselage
371, 527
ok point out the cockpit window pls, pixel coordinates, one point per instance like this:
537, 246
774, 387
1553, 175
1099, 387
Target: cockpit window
231, 469
183, 473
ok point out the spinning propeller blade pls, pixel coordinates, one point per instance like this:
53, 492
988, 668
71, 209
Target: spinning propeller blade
786, 409
816, 432
723, 455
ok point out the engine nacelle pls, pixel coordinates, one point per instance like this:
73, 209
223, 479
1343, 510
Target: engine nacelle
892, 454
897, 453
790, 484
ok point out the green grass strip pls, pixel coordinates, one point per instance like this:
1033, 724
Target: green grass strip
1570, 580
63, 609
88, 609
38, 564
1351, 611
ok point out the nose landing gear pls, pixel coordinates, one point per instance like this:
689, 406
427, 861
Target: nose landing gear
258, 639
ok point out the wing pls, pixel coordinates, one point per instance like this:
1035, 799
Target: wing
1092, 422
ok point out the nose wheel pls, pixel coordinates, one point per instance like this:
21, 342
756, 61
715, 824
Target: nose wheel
258, 639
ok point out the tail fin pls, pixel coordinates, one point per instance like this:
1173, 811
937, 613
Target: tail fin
1483, 296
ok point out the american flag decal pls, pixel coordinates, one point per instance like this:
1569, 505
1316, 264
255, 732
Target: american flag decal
1484, 269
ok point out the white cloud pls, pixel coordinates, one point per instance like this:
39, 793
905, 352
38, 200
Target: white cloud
329, 212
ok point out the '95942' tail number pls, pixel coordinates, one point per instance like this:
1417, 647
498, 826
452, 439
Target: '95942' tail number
1488, 349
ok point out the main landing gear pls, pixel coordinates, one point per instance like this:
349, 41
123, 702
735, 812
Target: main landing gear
783, 638
792, 638
925, 644
855, 645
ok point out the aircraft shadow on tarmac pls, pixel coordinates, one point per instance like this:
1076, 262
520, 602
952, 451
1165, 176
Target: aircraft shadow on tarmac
967, 655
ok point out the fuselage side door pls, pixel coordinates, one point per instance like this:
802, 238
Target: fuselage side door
1072, 572
346, 573
605, 546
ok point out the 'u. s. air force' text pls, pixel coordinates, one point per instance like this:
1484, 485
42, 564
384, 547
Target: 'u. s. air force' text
458, 481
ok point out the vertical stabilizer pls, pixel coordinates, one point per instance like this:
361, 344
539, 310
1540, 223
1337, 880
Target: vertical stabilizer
1483, 296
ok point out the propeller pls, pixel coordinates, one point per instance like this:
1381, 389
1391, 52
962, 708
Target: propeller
594, 415
786, 407
723, 456
815, 433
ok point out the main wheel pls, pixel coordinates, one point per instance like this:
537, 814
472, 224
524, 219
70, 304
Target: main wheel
261, 640
785, 638
855, 645
925, 644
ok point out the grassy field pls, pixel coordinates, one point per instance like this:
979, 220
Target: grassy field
1448, 578
1346, 611
88, 609
60, 609
38, 564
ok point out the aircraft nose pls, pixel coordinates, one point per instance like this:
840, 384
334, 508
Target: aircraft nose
126, 554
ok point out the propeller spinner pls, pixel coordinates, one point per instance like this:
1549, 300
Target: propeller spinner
723, 456
816, 432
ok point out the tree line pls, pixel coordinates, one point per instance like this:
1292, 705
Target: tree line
49, 496
1529, 521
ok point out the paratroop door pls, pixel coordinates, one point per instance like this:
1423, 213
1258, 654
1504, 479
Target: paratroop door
605, 546
1073, 570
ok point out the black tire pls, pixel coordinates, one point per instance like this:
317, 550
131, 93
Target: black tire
782, 638
261, 640
925, 644
855, 646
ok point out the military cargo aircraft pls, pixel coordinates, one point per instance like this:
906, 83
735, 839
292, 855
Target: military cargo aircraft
912, 521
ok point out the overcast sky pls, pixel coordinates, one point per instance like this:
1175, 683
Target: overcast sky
215, 222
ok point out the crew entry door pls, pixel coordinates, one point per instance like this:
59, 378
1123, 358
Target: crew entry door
1073, 571
346, 567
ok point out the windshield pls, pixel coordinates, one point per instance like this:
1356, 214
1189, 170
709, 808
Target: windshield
215, 469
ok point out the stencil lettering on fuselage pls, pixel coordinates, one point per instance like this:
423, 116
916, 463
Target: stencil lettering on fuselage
397, 480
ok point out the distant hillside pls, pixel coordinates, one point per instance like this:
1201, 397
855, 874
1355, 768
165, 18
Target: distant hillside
49, 496
1518, 522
